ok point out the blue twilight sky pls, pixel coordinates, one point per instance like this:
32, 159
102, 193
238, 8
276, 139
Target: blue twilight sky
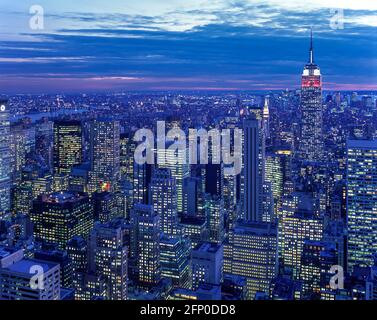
89, 45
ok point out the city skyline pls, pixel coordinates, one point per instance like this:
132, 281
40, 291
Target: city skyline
186, 188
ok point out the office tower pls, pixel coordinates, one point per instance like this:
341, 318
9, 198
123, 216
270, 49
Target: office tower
108, 258
177, 161
22, 227
214, 209
163, 198
127, 152
60, 216
89, 286
311, 141
145, 244
207, 264
251, 252
22, 198
267, 203
361, 202
274, 175
190, 196
44, 141
316, 261
79, 178
42, 184
17, 277
266, 117
4, 159
175, 260
252, 174
195, 229
104, 206
22, 143
105, 161
214, 179
142, 177
67, 146
59, 257
77, 250
298, 223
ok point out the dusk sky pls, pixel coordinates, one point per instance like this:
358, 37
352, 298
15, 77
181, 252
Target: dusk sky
91, 45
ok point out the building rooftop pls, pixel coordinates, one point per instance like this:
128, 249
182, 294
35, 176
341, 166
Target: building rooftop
207, 247
362, 144
25, 266
6, 251
62, 197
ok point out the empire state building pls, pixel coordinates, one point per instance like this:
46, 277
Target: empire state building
311, 143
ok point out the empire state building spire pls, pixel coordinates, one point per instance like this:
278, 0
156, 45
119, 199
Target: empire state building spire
311, 52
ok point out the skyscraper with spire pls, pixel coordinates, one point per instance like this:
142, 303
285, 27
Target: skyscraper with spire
311, 140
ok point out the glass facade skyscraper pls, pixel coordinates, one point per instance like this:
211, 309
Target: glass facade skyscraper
361, 202
5, 182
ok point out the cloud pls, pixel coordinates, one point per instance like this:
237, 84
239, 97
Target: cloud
230, 44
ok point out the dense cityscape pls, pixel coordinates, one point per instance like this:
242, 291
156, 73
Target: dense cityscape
80, 219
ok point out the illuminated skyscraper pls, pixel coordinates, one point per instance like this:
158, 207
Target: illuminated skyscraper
4, 159
142, 175
298, 222
67, 146
252, 173
361, 202
214, 209
207, 264
60, 216
108, 258
163, 197
22, 143
145, 244
175, 260
251, 252
311, 143
177, 161
127, 150
104, 206
105, 150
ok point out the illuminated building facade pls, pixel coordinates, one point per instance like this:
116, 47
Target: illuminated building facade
105, 155
207, 264
297, 224
58, 217
4, 159
361, 202
108, 258
311, 143
67, 150
251, 252
145, 244
163, 198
